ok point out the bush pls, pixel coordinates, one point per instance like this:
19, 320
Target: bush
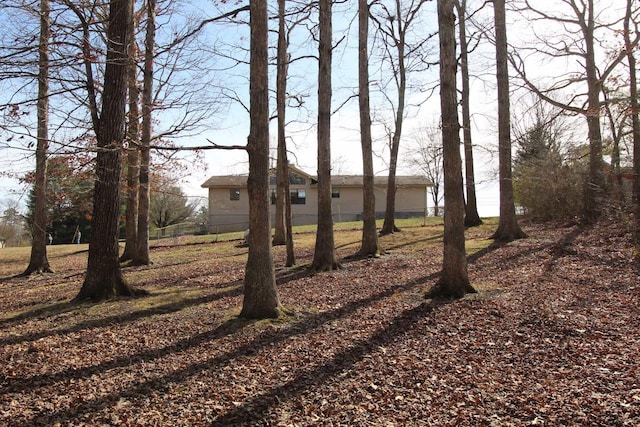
548, 188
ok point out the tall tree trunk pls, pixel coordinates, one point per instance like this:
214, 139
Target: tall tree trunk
142, 250
279, 235
471, 217
635, 125
454, 280
508, 228
594, 187
324, 256
389, 224
369, 245
260, 295
104, 278
133, 148
39, 262
283, 66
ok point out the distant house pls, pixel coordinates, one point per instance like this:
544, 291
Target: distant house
229, 200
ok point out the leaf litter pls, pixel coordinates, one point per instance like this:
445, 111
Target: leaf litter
550, 339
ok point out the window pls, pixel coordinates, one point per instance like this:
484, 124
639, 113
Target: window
294, 179
273, 197
299, 197
335, 193
234, 194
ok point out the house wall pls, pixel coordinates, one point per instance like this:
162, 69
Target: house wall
233, 215
228, 215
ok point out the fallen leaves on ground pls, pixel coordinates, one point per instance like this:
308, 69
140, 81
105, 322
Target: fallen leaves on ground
550, 339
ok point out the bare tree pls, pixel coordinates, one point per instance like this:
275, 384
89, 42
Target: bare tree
260, 295
471, 217
579, 22
39, 261
104, 278
133, 147
454, 279
279, 234
394, 22
324, 256
508, 228
635, 118
141, 256
283, 233
370, 245
426, 157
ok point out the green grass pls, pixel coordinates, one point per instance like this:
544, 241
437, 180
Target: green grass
417, 233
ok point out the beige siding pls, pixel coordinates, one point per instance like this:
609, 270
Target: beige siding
225, 214
232, 215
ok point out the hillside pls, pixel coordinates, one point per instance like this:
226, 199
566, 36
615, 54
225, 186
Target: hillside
551, 338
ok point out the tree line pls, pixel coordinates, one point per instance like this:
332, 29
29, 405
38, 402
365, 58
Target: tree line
103, 62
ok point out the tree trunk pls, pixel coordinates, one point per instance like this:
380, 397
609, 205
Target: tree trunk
142, 250
279, 235
133, 149
283, 66
260, 295
324, 256
454, 280
104, 279
39, 262
594, 188
370, 245
389, 225
508, 228
635, 127
471, 217
288, 222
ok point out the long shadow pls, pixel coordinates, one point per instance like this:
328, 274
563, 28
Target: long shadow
413, 242
255, 411
64, 307
60, 308
557, 248
289, 276
344, 245
494, 246
561, 248
117, 318
339, 363
266, 338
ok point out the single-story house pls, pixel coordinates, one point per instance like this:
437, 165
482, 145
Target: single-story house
229, 199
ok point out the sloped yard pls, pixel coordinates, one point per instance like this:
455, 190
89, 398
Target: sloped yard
550, 339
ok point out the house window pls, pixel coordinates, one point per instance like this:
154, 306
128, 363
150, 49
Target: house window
335, 193
299, 197
294, 179
273, 197
234, 194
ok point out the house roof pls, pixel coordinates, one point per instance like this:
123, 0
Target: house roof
226, 181
358, 180
232, 181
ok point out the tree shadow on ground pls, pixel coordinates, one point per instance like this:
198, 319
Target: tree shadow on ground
115, 319
255, 411
414, 242
265, 338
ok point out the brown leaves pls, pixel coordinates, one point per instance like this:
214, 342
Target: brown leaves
551, 339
